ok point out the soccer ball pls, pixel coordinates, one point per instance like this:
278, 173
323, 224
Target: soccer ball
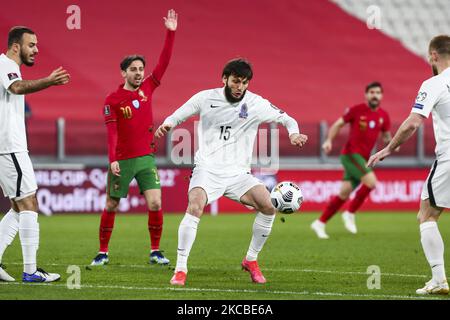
286, 197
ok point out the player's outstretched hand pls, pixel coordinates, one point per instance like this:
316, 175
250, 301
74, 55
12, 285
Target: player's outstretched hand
327, 146
377, 157
162, 130
171, 20
59, 77
298, 139
115, 168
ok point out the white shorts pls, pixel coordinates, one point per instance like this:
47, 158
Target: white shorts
437, 186
17, 178
217, 185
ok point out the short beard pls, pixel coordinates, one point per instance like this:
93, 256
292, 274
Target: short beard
435, 70
132, 85
230, 97
373, 104
25, 61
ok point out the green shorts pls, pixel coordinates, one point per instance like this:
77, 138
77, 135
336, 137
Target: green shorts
143, 169
355, 167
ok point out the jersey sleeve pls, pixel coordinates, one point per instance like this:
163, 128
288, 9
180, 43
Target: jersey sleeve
187, 110
110, 117
9, 73
271, 113
349, 114
427, 97
386, 123
154, 80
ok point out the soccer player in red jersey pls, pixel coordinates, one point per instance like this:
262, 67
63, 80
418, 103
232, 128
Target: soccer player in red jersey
366, 121
129, 122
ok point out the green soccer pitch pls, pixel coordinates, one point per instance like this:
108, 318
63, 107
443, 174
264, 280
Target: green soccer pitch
296, 264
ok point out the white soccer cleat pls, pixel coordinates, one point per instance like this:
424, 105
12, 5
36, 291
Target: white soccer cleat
40, 276
319, 228
432, 287
349, 222
4, 276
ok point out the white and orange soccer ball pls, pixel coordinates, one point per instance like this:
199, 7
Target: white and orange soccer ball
286, 197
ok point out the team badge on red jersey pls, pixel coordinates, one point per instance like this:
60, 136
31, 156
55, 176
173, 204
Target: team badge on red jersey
107, 110
136, 104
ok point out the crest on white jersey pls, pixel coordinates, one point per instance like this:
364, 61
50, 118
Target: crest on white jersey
243, 114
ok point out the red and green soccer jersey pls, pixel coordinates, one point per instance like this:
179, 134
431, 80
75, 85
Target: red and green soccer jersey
128, 114
365, 127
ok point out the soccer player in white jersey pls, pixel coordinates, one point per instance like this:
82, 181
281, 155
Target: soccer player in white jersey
434, 98
17, 178
229, 120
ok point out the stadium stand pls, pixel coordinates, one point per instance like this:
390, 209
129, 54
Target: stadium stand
413, 22
311, 58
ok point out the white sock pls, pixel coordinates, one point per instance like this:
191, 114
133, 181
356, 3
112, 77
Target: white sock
261, 231
433, 246
8, 230
29, 238
186, 237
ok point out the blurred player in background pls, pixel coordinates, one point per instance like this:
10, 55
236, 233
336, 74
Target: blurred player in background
366, 121
129, 121
229, 120
17, 178
434, 98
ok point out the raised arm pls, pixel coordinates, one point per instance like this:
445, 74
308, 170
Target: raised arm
332, 133
171, 22
56, 78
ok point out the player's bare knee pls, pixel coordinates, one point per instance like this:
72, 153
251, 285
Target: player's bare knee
266, 208
154, 205
27, 204
344, 195
112, 204
195, 208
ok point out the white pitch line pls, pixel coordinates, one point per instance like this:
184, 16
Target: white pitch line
238, 268
274, 292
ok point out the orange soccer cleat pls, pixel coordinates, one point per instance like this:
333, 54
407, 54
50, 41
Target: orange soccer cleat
253, 268
178, 279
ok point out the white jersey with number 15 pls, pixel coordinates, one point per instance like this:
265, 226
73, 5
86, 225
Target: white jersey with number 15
227, 131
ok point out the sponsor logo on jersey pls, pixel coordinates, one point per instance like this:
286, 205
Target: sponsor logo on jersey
418, 106
107, 110
421, 96
136, 104
243, 114
142, 95
213, 106
12, 76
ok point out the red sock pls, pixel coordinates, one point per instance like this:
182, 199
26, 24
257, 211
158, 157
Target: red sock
332, 207
106, 228
360, 196
155, 223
